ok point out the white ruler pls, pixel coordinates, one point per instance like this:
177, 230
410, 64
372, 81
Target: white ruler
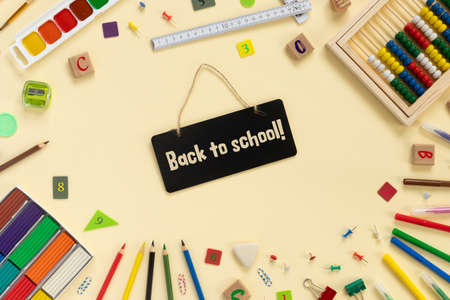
197, 33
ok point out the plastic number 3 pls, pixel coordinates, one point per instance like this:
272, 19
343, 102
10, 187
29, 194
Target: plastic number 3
247, 50
234, 293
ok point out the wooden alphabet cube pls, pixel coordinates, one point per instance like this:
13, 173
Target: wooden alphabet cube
237, 291
340, 5
423, 154
300, 47
81, 65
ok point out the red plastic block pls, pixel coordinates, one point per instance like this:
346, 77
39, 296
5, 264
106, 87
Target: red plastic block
387, 191
213, 257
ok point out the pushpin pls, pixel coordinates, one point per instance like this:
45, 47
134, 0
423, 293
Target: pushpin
169, 18
321, 294
356, 287
133, 27
359, 257
334, 268
349, 232
141, 5
311, 257
273, 258
426, 195
376, 233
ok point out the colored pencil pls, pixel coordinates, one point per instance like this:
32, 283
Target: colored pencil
111, 272
422, 222
420, 244
167, 272
414, 254
134, 271
22, 156
194, 276
392, 264
151, 266
16, 13
426, 182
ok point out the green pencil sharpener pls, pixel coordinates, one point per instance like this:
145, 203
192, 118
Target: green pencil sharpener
36, 94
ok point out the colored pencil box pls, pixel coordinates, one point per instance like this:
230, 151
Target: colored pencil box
54, 27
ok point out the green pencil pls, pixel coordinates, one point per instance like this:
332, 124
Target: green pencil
167, 272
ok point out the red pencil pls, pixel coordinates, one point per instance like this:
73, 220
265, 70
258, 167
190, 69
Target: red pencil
111, 273
422, 222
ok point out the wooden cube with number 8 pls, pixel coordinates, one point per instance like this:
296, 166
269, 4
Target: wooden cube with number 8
60, 187
213, 257
245, 48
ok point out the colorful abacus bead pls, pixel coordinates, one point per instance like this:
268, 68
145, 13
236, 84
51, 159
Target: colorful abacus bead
440, 12
387, 58
434, 21
420, 39
407, 61
390, 78
420, 57
432, 36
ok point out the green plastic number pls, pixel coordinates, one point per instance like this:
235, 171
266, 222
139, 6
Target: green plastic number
213, 257
235, 292
247, 50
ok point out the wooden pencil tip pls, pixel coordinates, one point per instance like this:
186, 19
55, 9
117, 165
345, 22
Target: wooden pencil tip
123, 246
164, 247
46, 142
153, 243
182, 243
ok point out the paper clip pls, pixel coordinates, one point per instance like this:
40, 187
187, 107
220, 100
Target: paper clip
182, 285
349, 232
84, 285
265, 278
355, 288
322, 294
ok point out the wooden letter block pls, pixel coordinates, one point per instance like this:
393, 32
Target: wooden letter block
237, 291
300, 47
81, 65
423, 154
340, 5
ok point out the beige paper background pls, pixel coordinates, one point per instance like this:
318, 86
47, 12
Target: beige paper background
100, 129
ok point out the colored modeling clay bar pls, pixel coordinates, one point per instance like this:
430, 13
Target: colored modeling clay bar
55, 27
38, 257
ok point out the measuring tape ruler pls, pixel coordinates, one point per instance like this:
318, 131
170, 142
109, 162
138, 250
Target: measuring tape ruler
301, 18
197, 33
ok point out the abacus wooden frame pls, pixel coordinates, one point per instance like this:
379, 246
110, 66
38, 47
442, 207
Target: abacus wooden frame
406, 113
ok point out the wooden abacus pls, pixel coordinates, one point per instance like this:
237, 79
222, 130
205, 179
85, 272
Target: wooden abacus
399, 49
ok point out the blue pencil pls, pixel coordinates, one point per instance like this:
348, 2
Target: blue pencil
187, 256
420, 258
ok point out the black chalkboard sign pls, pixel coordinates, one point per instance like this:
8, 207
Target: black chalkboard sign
224, 145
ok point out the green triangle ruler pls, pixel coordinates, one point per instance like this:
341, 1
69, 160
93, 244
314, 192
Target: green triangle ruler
100, 220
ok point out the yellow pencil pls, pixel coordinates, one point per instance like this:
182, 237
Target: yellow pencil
134, 271
16, 13
403, 277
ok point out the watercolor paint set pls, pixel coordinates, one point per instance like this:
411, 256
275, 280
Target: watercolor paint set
54, 27
38, 257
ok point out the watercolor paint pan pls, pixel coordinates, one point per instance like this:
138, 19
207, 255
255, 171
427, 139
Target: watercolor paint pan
54, 27
39, 258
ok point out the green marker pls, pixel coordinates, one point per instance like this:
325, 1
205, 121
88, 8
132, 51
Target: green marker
433, 285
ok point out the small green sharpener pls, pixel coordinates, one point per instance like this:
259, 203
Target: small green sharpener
36, 94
